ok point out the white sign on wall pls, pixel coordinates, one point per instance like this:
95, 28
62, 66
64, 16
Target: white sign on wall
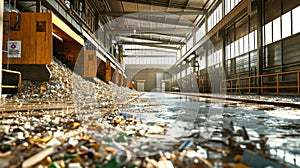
14, 49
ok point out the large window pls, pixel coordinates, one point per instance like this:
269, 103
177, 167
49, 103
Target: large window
202, 62
246, 43
232, 50
215, 17
253, 40
241, 45
183, 50
276, 29
189, 43
280, 33
296, 22
200, 32
268, 33
278, 26
227, 52
230, 4
214, 58
241, 41
286, 27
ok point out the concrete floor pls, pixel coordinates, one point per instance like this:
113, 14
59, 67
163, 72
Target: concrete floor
164, 122
190, 114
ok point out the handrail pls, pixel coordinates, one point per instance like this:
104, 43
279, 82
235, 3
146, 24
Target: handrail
203, 84
236, 86
19, 86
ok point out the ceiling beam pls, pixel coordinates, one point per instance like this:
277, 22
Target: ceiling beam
150, 43
166, 35
152, 39
156, 3
150, 18
156, 13
158, 46
168, 31
149, 49
149, 55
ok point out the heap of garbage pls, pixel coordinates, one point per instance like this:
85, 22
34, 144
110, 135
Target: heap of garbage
65, 85
59, 139
114, 137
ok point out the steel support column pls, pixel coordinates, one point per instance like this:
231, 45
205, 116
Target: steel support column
223, 51
194, 36
1, 44
205, 21
260, 15
38, 6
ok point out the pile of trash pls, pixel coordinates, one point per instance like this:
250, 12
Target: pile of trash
58, 139
65, 85
119, 138
104, 130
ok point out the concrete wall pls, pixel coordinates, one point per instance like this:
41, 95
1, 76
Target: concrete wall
149, 75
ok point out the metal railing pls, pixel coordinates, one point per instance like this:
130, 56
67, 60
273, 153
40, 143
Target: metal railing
19, 86
281, 82
204, 85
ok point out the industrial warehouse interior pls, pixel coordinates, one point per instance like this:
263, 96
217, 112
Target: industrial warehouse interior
150, 83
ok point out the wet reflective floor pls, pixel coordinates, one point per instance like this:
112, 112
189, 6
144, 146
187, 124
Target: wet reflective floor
154, 130
278, 126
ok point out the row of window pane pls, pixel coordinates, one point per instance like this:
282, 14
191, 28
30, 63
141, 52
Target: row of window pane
200, 32
230, 4
202, 62
281, 27
150, 60
242, 45
215, 17
214, 58
149, 52
274, 30
189, 43
183, 50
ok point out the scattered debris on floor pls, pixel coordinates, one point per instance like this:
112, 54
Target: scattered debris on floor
59, 139
95, 124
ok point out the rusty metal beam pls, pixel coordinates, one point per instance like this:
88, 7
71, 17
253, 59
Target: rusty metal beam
168, 31
148, 43
153, 39
153, 13
157, 46
151, 18
161, 4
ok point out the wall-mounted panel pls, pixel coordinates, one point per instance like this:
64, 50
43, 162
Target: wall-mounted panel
34, 31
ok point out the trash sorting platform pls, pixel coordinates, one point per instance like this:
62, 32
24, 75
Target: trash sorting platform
58, 124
